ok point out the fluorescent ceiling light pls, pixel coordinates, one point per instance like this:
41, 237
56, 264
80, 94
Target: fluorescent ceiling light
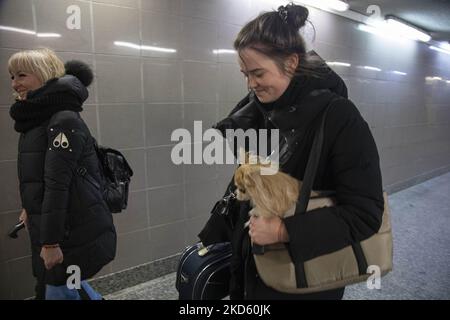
34, 33
433, 78
143, 47
226, 51
439, 49
445, 46
406, 30
400, 73
371, 68
48, 35
13, 29
379, 31
335, 4
337, 63
327, 4
393, 28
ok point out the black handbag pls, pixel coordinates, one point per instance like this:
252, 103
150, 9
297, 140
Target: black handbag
220, 225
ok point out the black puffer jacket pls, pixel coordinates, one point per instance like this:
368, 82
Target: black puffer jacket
62, 206
349, 164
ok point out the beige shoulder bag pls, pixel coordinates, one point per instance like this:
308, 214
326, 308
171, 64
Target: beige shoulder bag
352, 264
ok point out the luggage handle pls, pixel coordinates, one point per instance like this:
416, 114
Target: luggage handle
202, 250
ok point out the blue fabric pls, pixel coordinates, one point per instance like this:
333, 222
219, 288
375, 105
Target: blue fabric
64, 293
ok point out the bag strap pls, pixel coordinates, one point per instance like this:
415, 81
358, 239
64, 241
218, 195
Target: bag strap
312, 164
308, 180
310, 174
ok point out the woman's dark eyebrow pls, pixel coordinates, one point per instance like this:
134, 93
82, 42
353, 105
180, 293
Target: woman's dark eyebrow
252, 71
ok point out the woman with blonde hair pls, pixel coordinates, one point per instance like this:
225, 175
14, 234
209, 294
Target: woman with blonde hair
67, 219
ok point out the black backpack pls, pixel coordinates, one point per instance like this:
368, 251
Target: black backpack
115, 174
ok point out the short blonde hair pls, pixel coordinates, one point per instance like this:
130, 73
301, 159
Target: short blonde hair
43, 63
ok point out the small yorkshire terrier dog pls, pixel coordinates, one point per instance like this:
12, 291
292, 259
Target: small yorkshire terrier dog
269, 194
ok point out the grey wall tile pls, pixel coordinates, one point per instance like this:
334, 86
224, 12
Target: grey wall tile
52, 17
6, 91
200, 198
162, 80
204, 112
132, 249
121, 126
161, 30
200, 172
199, 9
227, 35
226, 171
193, 228
125, 3
200, 81
379, 114
235, 12
166, 205
199, 39
232, 84
161, 170
10, 190
17, 14
23, 280
160, 121
118, 79
5, 280
166, 6
112, 24
134, 217
332, 29
167, 240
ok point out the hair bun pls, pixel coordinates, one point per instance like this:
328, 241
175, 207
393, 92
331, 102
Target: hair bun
297, 15
80, 70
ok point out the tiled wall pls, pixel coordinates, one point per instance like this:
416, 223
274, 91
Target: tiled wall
140, 96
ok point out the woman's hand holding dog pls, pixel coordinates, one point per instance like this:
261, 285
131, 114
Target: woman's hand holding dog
264, 231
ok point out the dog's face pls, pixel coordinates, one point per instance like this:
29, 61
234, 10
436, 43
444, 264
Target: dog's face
242, 187
271, 194
245, 175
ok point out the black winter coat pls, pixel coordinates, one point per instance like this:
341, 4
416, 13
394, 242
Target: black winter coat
62, 206
349, 164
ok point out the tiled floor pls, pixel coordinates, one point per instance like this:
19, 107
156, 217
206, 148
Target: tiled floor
421, 229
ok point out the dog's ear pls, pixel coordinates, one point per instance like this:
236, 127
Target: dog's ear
245, 157
239, 177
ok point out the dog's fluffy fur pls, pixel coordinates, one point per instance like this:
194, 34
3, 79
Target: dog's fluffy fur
270, 195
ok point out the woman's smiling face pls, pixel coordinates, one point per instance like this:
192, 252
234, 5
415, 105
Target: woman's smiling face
263, 75
22, 82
